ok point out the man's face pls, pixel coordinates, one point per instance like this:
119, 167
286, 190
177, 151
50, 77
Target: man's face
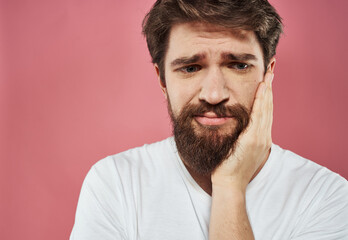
211, 76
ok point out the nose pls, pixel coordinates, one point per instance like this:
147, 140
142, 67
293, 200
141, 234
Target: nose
213, 87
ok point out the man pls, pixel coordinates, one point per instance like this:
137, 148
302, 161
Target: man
220, 177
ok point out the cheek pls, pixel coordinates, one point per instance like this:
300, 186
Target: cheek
251, 95
178, 97
246, 91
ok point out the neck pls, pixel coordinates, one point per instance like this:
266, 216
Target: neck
202, 180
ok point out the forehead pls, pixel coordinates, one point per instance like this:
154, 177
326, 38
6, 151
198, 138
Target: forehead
191, 38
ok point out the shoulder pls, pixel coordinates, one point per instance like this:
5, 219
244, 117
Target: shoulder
122, 167
109, 192
293, 166
120, 171
145, 157
322, 194
294, 176
318, 196
316, 185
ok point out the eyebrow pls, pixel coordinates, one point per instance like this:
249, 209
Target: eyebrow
225, 56
187, 60
238, 57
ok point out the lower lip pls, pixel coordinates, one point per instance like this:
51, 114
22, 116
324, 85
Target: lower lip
211, 121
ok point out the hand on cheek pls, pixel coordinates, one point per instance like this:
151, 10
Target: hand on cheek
253, 145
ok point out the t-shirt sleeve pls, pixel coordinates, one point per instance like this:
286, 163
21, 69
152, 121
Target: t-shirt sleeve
326, 215
99, 213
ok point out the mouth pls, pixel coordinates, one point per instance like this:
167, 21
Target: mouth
211, 119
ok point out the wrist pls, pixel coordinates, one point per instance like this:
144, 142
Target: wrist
230, 184
228, 188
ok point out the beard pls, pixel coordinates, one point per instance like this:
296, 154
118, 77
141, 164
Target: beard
203, 148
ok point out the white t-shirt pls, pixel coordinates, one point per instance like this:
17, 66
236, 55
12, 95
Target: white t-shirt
147, 193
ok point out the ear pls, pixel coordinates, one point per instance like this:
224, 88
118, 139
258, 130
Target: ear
162, 84
271, 65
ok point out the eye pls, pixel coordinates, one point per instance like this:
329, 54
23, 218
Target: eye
191, 69
239, 66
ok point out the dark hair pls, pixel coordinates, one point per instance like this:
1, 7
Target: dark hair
254, 15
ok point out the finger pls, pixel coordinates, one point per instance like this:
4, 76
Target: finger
268, 78
262, 109
268, 110
256, 111
259, 113
268, 93
261, 94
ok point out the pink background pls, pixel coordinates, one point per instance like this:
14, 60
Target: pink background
76, 85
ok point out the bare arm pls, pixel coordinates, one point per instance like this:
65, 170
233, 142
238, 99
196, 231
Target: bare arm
229, 219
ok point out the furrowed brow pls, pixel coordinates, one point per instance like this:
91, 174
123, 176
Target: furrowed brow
238, 57
187, 60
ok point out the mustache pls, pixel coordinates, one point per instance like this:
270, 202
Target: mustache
237, 111
221, 109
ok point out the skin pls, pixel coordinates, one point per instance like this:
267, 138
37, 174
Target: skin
199, 67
